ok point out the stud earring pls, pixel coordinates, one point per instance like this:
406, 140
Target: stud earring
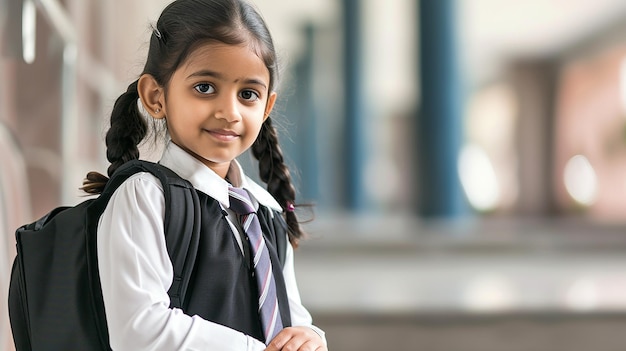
157, 110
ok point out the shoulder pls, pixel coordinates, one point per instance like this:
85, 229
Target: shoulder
136, 206
141, 190
141, 180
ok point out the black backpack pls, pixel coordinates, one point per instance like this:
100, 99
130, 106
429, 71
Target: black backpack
55, 297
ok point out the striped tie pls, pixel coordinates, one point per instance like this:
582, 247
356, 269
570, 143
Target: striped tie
268, 303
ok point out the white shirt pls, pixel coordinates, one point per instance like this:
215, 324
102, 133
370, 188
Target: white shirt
136, 272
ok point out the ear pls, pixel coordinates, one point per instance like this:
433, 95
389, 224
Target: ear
151, 95
271, 100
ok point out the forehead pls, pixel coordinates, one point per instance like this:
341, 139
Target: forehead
231, 60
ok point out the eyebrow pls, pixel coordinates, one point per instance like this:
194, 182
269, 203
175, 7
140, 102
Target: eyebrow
217, 75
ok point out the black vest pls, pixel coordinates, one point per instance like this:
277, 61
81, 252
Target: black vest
222, 288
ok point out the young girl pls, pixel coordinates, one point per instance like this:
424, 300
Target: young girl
210, 76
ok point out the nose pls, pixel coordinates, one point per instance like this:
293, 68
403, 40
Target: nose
227, 108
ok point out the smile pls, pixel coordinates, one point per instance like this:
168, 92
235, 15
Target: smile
222, 134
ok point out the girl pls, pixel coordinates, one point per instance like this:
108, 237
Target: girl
210, 76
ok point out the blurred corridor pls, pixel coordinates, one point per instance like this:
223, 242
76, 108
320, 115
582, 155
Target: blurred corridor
493, 284
467, 158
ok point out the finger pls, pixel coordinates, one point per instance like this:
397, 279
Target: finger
310, 345
295, 342
280, 340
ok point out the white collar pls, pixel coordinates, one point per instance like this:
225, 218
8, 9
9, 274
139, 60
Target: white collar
207, 181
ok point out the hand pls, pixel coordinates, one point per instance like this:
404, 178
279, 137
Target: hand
297, 339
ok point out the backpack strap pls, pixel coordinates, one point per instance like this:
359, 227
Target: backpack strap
274, 224
182, 220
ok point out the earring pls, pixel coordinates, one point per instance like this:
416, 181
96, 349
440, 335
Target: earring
157, 110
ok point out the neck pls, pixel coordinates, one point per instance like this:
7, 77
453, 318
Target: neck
220, 168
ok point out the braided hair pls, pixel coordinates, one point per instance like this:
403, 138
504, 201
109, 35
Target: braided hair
128, 129
182, 27
274, 172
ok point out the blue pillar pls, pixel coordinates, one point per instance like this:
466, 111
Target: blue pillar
303, 118
439, 123
353, 183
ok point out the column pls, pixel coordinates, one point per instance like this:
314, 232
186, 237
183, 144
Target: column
439, 129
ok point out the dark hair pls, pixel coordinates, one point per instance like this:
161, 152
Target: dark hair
181, 28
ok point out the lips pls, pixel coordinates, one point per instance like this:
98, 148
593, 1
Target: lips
223, 134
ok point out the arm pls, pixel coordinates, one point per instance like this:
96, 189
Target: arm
136, 272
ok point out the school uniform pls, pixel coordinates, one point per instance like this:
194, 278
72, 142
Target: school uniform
136, 271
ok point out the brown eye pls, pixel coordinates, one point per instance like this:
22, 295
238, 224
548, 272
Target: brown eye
204, 88
249, 95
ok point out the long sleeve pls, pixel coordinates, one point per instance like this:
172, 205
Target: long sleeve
300, 316
136, 273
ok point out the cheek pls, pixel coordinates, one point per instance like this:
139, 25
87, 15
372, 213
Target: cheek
186, 112
257, 124
254, 129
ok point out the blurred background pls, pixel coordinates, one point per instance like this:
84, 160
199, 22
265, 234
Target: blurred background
466, 159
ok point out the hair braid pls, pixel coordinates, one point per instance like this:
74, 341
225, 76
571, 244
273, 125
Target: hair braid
127, 130
274, 172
